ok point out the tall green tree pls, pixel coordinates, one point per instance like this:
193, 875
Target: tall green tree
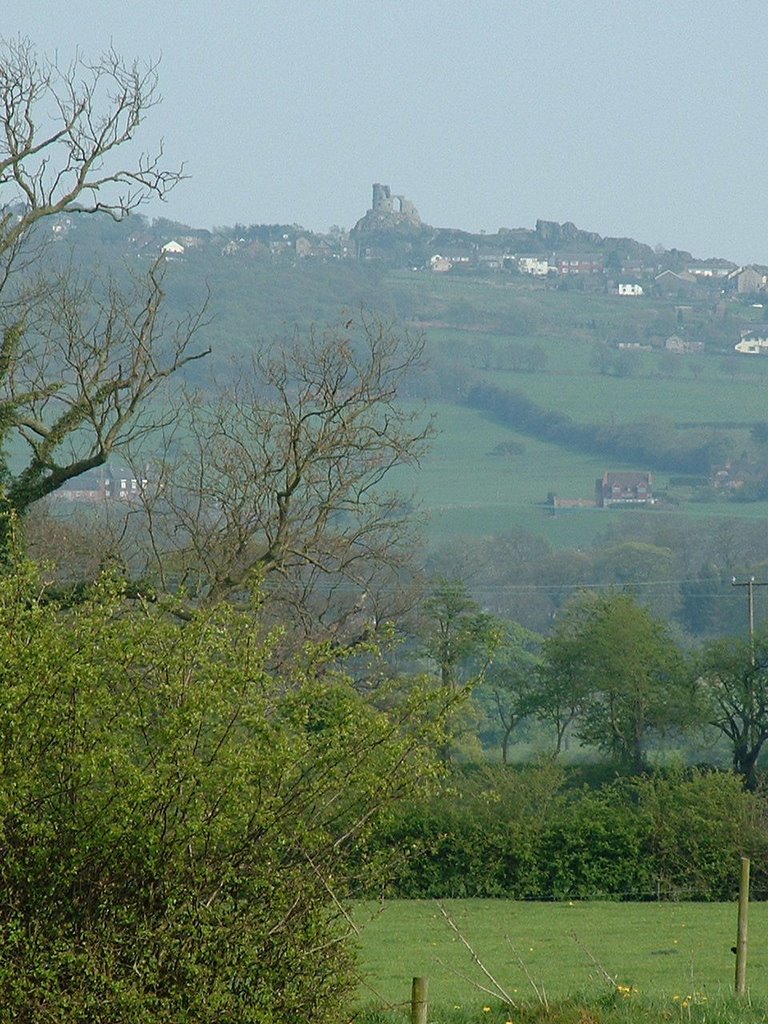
558, 697
460, 640
457, 635
512, 680
625, 673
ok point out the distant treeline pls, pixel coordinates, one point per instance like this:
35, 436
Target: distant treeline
651, 442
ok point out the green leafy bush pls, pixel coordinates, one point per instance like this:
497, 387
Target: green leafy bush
527, 834
176, 819
594, 848
697, 825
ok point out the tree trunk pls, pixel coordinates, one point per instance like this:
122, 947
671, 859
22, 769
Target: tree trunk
505, 745
745, 764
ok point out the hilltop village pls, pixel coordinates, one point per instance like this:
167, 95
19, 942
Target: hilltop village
391, 236
392, 232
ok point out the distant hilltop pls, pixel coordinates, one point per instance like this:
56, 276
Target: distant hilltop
392, 232
393, 223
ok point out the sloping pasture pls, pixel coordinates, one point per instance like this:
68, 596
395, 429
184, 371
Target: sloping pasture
467, 488
712, 397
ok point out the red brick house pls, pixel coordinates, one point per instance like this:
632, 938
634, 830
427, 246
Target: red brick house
624, 488
579, 265
103, 484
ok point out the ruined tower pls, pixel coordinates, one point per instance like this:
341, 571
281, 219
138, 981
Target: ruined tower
388, 211
382, 199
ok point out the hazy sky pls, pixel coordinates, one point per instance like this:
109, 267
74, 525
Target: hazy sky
645, 119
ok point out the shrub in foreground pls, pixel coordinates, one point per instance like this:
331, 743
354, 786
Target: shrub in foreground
175, 819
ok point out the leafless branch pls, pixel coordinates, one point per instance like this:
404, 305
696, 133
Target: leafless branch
61, 133
499, 991
75, 384
284, 476
79, 361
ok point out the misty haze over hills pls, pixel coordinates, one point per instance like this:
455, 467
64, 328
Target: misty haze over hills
638, 121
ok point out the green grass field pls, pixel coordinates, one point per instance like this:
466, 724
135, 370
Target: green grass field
466, 490
665, 953
552, 308
590, 397
698, 390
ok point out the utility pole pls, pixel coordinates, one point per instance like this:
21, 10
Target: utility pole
750, 584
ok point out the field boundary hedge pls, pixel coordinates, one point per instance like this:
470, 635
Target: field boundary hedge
651, 442
525, 835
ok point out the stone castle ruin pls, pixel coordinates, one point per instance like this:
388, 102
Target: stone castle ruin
384, 204
388, 211
393, 230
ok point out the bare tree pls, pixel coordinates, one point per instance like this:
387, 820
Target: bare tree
74, 384
282, 476
78, 362
61, 136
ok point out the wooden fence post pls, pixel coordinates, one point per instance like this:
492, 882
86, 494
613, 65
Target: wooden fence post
419, 991
741, 929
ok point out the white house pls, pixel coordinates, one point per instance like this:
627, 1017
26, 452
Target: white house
439, 264
753, 344
172, 248
682, 346
532, 265
630, 289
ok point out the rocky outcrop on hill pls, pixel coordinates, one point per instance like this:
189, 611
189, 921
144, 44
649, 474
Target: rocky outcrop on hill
392, 226
567, 237
554, 234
